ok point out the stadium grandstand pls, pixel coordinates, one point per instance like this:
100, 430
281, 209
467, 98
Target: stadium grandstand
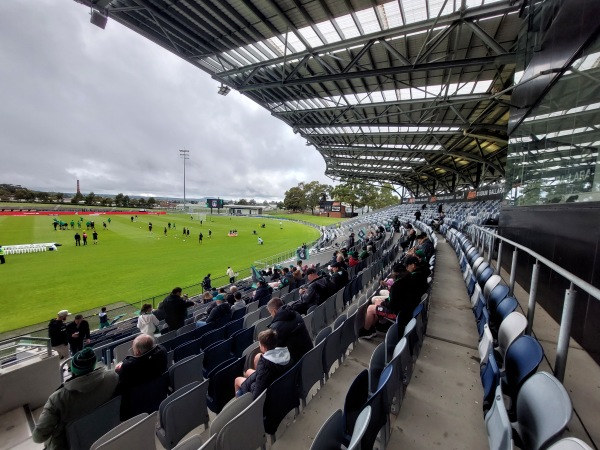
481, 114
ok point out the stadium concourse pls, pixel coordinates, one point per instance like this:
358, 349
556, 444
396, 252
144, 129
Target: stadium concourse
418, 388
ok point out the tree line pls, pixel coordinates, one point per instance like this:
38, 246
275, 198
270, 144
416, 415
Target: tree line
357, 194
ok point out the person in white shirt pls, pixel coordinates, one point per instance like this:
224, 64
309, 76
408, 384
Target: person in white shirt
147, 322
231, 275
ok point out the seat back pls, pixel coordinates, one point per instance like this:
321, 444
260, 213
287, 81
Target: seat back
356, 397
485, 275
486, 344
186, 371
220, 389
311, 370
319, 321
339, 321
281, 398
246, 430
181, 412
231, 409
211, 337
83, 432
194, 442
146, 397
330, 313
122, 350
392, 337
261, 325
235, 324
360, 428
187, 349
570, 443
241, 340
330, 434
490, 284
216, 354
498, 425
376, 366
490, 378
499, 293
138, 436
380, 408
544, 410
522, 360
511, 328
332, 350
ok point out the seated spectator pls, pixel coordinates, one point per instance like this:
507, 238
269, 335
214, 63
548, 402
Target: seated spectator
84, 392
275, 275
147, 322
149, 361
425, 245
298, 277
214, 292
316, 292
353, 259
410, 238
221, 294
263, 290
230, 297
239, 302
219, 313
405, 295
364, 254
339, 275
207, 297
291, 329
273, 363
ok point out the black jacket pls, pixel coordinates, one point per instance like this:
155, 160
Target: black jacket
175, 309
291, 332
317, 291
84, 333
262, 292
340, 279
220, 314
137, 370
57, 332
405, 295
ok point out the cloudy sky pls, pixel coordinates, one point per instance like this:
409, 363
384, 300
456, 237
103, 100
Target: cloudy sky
112, 109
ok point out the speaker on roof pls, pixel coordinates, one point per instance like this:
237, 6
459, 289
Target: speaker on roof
98, 19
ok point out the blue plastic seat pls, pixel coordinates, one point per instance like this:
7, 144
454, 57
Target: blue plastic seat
241, 340
497, 294
490, 378
504, 308
234, 325
220, 388
211, 337
215, 355
485, 275
187, 349
392, 337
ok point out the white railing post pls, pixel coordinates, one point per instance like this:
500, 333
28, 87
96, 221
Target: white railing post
564, 335
499, 259
535, 273
513, 272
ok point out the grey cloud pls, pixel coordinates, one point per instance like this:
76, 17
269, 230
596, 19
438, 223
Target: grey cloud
113, 109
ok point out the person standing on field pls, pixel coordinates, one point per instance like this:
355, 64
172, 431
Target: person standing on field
231, 275
95, 237
2, 261
84, 235
77, 239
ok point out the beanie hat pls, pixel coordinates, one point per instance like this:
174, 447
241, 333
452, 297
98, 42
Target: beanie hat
83, 362
420, 254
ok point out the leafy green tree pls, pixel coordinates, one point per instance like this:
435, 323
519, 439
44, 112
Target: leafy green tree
77, 198
348, 192
119, 199
90, 198
386, 197
294, 199
59, 196
252, 202
126, 201
141, 203
43, 197
243, 201
151, 202
313, 192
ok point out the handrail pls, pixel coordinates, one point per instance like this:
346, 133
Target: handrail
587, 287
564, 335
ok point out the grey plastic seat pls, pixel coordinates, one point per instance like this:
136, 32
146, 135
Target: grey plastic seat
339, 321
210, 444
311, 371
544, 410
249, 353
339, 302
308, 324
194, 442
229, 411
376, 366
251, 307
510, 329
570, 443
319, 321
330, 313
264, 312
498, 425
246, 430
119, 429
322, 335
332, 436
406, 363
181, 413
82, 432
360, 428
122, 350
251, 318
186, 371
261, 325
391, 339
139, 436
186, 328
332, 350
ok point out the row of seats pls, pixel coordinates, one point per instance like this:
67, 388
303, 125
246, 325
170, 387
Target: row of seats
215, 354
521, 406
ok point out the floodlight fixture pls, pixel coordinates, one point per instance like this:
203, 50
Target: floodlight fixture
223, 90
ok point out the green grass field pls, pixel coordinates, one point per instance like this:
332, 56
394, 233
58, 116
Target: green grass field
129, 263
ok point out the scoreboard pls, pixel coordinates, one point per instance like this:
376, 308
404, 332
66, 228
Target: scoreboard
214, 203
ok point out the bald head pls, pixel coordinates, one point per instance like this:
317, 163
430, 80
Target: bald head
142, 344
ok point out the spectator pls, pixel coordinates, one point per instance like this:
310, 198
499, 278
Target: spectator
353, 259
219, 313
273, 363
425, 245
149, 361
175, 309
405, 295
57, 332
231, 275
239, 302
263, 291
207, 297
339, 276
291, 329
316, 292
298, 277
206, 283
78, 333
230, 297
104, 322
221, 294
85, 391
147, 322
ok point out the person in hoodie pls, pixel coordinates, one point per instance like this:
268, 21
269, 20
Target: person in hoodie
147, 322
273, 363
291, 329
219, 312
263, 290
84, 392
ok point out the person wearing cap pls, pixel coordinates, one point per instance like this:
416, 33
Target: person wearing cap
339, 275
88, 388
263, 291
218, 312
57, 332
78, 333
405, 295
353, 259
316, 291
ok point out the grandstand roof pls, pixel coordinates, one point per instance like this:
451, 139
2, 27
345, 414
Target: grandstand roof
410, 92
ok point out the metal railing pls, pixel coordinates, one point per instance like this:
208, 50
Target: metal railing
23, 348
486, 239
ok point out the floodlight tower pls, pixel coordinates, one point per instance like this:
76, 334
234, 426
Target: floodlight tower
185, 155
